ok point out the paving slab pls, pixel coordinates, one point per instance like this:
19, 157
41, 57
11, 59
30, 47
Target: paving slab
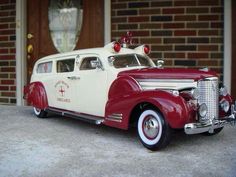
59, 146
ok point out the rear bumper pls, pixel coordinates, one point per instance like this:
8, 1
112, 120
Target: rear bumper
196, 128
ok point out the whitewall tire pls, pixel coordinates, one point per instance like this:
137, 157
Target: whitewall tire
153, 130
40, 113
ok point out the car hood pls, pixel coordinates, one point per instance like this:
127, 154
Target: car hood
167, 73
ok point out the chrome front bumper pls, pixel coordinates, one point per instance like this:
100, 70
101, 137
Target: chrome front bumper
195, 128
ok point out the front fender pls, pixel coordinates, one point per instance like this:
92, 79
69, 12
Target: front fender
36, 95
174, 108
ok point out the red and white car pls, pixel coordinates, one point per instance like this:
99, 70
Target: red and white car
121, 87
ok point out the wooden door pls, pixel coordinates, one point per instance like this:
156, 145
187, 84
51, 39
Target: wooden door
39, 42
233, 73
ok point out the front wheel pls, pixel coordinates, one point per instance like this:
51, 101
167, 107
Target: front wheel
153, 130
40, 113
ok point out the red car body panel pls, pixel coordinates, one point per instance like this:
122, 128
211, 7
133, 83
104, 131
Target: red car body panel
125, 94
167, 73
36, 95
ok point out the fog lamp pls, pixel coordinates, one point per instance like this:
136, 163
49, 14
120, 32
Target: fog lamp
202, 110
224, 104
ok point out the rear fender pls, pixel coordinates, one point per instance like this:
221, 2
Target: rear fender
36, 95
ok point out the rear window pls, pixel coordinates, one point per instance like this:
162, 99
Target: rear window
44, 67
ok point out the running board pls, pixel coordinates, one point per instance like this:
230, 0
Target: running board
83, 117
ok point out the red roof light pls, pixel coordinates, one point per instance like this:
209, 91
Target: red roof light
146, 49
116, 46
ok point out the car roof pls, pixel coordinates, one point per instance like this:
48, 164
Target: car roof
98, 51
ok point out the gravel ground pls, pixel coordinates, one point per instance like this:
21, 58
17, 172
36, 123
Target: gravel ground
59, 146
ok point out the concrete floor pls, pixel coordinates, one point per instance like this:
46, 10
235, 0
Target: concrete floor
60, 146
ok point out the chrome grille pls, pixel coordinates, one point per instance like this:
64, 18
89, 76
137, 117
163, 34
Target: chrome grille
209, 94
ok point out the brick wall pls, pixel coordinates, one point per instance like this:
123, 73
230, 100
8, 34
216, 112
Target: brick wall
7, 52
185, 33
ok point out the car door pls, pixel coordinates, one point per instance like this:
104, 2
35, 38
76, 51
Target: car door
91, 89
61, 87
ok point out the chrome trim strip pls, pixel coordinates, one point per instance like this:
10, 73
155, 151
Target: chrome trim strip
83, 117
167, 80
115, 117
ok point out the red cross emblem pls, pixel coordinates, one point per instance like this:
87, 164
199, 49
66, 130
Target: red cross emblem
62, 91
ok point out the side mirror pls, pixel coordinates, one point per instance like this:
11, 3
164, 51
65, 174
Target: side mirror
160, 63
96, 64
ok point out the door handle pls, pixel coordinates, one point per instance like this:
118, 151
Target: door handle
73, 77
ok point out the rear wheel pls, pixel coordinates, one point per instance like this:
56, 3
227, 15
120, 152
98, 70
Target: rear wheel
153, 130
40, 113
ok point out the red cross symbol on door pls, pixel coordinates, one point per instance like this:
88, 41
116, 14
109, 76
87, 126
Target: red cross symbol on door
62, 91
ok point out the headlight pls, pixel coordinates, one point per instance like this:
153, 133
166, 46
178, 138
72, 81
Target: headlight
223, 91
202, 110
195, 93
224, 104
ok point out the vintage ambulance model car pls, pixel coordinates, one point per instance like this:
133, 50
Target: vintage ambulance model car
121, 87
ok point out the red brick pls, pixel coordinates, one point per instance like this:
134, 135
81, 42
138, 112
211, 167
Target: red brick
174, 40
197, 25
3, 51
152, 40
217, 25
119, 19
4, 88
173, 10
150, 11
4, 13
208, 17
3, 26
4, 1
13, 88
139, 19
8, 94
118, 5
207, 47
185, 18
140, 33
162, 47
7, 44
13, 51
185, 3
208, 2
150, 26
208, 32
7, 82
174, 55
173, 25
185, 33
7, 7
197, 55
197, 10
208, 63
5, 32
4, 38
217, 9
10, 69
7, 57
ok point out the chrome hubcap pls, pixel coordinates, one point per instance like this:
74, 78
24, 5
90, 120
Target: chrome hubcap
150, 127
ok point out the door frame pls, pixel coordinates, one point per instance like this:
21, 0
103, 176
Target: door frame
21, 30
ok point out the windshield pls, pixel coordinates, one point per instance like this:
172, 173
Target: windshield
132, 60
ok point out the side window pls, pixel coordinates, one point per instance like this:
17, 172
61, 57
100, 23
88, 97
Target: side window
44, 67
65, 65
87, 63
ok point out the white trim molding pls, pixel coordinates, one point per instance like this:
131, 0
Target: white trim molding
107, 21
227, 44
20, 50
